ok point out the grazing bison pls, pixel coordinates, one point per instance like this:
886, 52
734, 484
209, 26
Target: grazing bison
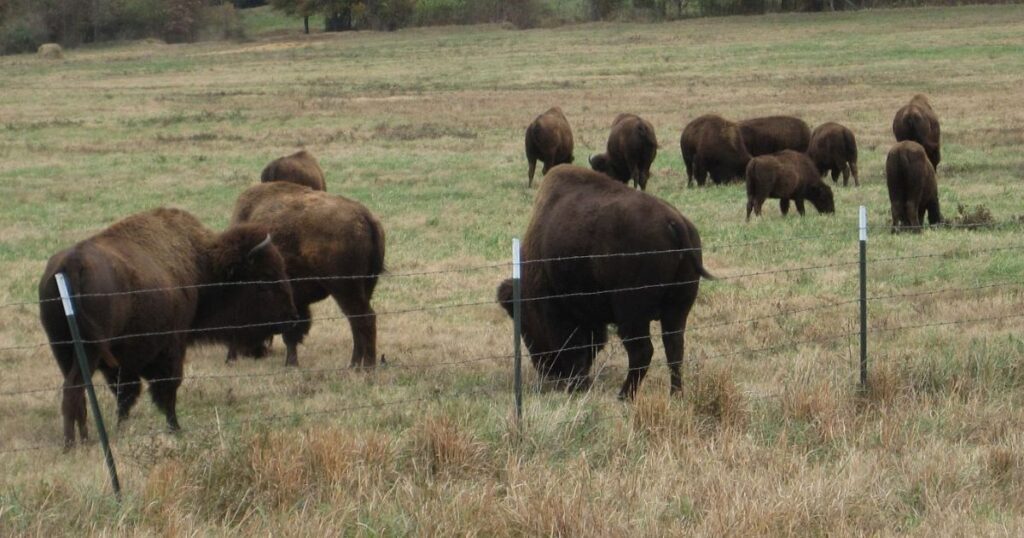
715, 146
332, 246
581, 220
300, 167
773, 134
912, 188
147, 287
786, 175
548, 140
833, 149
917, 121
631, 149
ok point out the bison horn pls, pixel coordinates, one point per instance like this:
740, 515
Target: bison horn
263, 244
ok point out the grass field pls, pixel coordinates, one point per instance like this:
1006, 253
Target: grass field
425, 128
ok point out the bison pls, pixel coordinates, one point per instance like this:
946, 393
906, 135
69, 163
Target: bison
332, 246
300, 167
631, 149
833, 148
917, 121
786, 175
910, 176
147, 287
598, 252
773, 134
548, 140
713, 145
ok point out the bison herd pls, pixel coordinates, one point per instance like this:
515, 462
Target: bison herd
596, 252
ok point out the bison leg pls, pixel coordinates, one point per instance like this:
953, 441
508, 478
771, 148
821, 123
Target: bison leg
533, 169
750, 207
295, 334
934, 215
672, 326
897, 216
637, 341
700, 172
846, 175
688, 163
126, 387
911, 216
363, 322
799, 202
73, 409
835, 174
164, 380
783, 206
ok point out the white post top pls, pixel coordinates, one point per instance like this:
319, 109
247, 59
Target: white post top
65, 297
863, 223
515, 257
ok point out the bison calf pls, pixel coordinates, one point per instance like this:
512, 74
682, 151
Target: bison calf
332, 246
548, 140
713, 145
300, 167
786, 175
833, 148
912, 187
631, 149
918, 122
772, 134
575, 288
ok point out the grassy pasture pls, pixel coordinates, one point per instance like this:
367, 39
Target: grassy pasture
425, 127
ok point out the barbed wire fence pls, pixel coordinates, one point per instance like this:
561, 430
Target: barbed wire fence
513, 386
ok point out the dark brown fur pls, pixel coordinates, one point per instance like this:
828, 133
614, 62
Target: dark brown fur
322, 237
786, 175
300, 167
833, 148
581, 213
918, 122
158, 250
912, 187
718, 150
632, 147
549, 140
772, 134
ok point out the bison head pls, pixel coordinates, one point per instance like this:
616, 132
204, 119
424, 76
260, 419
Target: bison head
600, 163
820, 196
560, 350
251, 298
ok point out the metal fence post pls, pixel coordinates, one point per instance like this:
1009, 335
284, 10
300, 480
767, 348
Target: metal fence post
83, 367
517, 316
863, 297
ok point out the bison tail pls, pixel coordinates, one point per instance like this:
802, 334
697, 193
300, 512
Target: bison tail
688, 241
851, 145
751, 178
376, 252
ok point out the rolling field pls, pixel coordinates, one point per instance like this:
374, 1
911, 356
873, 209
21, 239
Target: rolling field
425, 127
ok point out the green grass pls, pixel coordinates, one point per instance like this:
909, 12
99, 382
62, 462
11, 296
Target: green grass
425, 126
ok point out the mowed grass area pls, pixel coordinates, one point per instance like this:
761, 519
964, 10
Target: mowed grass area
425, 127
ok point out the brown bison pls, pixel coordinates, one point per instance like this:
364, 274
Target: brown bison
773, 134
300, 167
548, 140
631, 149
147, 287
833, 149
786, 175
917, 121
574, 283
332, 246
713, 145
912, 188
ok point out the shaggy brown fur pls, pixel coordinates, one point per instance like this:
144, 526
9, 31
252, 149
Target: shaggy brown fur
912, 187
631, 149
300, 167
786, 175
549, 140
158, 250
833, 149
717, 147
918, 122
579, 213
323, 238
689, 140
772, 134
